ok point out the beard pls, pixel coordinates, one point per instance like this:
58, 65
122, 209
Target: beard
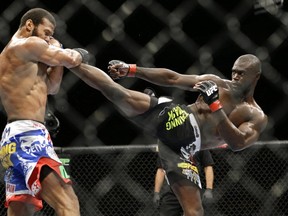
35, 32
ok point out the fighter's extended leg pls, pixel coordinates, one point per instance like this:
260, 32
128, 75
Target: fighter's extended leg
130, 102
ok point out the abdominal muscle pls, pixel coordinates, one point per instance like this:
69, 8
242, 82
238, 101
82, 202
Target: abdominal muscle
210, 138
24, 93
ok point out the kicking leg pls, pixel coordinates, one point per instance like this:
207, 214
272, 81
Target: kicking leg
130, 102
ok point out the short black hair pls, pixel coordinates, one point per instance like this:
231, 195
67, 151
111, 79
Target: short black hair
37, 15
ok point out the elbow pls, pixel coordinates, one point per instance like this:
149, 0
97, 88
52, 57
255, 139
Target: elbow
53, 90
74, 63
236, 147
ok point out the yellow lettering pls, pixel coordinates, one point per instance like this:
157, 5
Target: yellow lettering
176, 117
178, 111
168, 126
188, 166
171, 115
12, 148
5, 154
8, 149
178, 121
172, 124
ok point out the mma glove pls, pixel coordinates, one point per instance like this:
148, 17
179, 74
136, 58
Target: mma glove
156, 199
207, 197
52, 123
119, 69
84, 54
209, 91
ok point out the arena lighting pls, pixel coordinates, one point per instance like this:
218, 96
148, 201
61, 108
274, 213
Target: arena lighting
271, 6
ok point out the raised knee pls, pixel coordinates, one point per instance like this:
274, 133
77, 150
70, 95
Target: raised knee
70, 206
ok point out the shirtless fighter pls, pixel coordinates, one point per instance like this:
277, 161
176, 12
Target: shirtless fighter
31, 67
225, 113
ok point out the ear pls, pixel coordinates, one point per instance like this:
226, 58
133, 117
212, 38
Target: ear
29, 25
258, 75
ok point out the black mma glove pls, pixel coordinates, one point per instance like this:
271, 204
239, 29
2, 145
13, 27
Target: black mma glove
207, 197
156, 199
85, 55
149, 91
209, 91
118, 69
52, 123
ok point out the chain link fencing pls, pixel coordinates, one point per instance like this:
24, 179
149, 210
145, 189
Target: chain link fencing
191, 37
119, 180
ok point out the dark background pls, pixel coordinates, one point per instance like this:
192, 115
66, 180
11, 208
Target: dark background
187, 36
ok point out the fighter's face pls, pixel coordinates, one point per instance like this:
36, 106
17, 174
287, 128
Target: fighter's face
242, 76
45, 30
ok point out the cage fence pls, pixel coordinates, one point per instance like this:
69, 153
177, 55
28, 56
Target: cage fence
186, 36
119, 180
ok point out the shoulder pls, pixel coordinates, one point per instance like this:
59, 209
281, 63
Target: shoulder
29, 48
29, 42
249, 109
35, 44
252, 113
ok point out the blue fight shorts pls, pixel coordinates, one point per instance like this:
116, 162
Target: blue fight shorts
26, 146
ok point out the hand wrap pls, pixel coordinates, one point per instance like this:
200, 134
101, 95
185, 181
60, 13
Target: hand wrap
128, 69
84, 54
207, 197
156, 199
209, 91
52, 123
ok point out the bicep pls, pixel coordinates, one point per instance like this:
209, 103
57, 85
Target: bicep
54, 56
252, 129
40, 51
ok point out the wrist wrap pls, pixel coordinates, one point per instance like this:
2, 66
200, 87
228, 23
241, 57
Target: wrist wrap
132, 70
216, 105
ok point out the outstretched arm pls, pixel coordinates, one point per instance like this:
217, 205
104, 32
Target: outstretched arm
158, 76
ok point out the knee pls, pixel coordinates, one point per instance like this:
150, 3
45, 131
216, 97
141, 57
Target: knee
70, 206
195, 211
73, 203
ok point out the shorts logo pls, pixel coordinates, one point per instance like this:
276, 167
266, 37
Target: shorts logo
188, 166
10, 188
5, 154
35, 188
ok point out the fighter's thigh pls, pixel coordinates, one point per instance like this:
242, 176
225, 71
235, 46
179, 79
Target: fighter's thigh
135, 103
170, 205
20, 209
57, 193
189, 197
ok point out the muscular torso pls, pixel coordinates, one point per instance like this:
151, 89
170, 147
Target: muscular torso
237, 110
23, 87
